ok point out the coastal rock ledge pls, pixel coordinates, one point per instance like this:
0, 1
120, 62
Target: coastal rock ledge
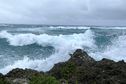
79, 69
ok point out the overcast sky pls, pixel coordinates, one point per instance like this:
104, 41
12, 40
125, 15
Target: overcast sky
69, 12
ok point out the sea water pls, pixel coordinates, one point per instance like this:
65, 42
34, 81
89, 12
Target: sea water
39, 47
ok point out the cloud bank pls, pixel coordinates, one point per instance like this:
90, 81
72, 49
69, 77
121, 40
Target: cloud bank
69, 12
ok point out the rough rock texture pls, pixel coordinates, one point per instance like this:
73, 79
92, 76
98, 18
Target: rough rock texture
79, 69
82, 69
20, 76
20, 73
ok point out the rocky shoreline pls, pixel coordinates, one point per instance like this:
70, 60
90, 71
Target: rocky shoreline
79, 69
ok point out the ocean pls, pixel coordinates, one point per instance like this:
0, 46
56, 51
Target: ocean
39, 47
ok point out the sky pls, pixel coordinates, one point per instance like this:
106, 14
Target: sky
64, 12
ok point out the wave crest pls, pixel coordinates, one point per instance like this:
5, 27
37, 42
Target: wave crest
63, 44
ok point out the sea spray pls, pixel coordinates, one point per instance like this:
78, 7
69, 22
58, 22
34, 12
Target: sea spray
41, 47
63, 44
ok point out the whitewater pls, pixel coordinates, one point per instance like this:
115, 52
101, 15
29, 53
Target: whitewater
39, 47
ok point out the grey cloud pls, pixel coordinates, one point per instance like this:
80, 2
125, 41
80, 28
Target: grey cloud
90, 12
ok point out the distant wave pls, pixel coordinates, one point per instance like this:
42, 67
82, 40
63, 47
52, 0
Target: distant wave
69, 27
108, 27
39, 29
45, 39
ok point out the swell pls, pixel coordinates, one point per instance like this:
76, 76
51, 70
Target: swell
47, 40
63, 45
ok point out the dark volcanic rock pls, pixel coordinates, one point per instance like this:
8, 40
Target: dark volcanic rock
81, 57
3, 79
21, 76
1, 75
82, 69
78, 58
21, 73
79, 69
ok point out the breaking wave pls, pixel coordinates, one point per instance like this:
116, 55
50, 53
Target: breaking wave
115, 51
63, 44
69, 27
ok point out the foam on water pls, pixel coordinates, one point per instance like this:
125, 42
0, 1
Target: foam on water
115, 52
69, 27
76, 40
63, 44
28, 29
113, 28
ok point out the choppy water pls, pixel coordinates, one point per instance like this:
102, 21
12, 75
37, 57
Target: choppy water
40, 47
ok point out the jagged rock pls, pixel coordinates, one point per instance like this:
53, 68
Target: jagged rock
3, 79
22, 73
17, 80
81, 56
83, 69
71, 69
1, 75
79, 69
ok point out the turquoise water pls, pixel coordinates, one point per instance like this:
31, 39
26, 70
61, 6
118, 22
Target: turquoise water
40, 47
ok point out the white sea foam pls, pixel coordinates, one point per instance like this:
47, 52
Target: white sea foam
63, 44
69, 27
110, 28
75, 40
39, 29
40, 65
116, 51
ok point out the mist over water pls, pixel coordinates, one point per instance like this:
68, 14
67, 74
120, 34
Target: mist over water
40, 47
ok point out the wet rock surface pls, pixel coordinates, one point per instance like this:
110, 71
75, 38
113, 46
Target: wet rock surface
79, 69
